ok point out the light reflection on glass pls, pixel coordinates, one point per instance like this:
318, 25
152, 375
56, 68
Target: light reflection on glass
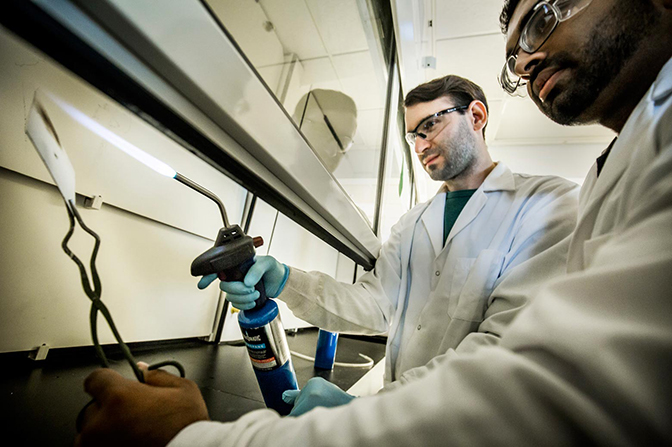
327, 64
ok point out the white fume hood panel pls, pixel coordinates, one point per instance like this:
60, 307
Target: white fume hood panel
100, 167
151, 227
183, 64
143, 266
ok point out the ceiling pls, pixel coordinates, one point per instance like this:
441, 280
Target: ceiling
331, 45
465, 40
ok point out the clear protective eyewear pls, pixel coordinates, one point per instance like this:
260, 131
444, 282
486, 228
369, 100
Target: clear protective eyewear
431, 126
544, 18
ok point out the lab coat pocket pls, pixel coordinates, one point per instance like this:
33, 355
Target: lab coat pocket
591, 246
473, 282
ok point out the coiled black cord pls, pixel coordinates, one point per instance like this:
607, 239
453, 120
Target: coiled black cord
97, 305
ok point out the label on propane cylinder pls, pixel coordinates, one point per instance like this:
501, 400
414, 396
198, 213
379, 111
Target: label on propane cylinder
260, 347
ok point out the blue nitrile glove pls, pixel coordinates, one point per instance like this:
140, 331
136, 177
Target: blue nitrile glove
242, 294
317, 393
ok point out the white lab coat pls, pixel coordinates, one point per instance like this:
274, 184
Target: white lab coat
430, 297
587, 362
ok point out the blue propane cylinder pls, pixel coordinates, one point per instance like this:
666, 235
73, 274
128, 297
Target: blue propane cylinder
231, 257
267, 346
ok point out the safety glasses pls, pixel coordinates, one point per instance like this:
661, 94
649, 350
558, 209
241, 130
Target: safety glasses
543, 19
431, 126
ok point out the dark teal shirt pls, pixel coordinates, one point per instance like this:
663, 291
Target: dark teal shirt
455, 202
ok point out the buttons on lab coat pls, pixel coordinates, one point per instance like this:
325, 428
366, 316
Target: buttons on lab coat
419, 326
437, 273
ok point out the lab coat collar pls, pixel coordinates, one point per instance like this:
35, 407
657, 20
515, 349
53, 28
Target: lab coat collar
623, 148
662, 86
432, 220
499, 179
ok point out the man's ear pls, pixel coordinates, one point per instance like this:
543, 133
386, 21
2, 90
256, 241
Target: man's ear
479, 114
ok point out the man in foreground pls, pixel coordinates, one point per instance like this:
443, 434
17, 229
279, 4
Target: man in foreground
588, 361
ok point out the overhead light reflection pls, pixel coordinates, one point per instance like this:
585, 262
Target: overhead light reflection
114, 139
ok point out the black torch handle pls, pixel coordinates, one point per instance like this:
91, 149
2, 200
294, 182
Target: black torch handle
238, 273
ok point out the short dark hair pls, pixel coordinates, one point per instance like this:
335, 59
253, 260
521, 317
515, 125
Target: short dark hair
459, 89
507, 12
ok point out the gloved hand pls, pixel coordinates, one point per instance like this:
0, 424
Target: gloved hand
317, 393
242, 294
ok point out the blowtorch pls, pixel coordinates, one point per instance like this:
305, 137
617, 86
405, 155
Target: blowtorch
263, 333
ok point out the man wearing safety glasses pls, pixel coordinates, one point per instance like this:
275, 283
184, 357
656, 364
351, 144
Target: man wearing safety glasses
588, 361
456, 269
541, 21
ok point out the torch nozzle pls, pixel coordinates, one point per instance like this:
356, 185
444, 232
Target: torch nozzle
209, 194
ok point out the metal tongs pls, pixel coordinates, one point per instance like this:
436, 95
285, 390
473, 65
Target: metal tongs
44, 137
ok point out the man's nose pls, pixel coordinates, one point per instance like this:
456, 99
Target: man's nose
526, 63
421, 145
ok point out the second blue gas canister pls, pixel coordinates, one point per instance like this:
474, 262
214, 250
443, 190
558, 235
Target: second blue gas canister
325, 353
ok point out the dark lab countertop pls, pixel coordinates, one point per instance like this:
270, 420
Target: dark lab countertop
40, 400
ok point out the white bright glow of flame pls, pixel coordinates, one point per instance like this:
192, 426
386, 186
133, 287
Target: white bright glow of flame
114, 139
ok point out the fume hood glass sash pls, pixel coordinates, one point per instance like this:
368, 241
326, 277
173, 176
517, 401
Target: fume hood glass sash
191, 66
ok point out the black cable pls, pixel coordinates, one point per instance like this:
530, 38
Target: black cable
98, 306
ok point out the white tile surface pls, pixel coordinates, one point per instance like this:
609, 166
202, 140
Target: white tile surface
476, 58
523, 122
457, 18
295, 27
339, 25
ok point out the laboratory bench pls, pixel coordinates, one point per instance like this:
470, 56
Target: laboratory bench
41, 399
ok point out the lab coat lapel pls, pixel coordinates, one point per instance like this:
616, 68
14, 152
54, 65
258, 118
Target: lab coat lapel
628, 141
407, 240
432, 220
407, 243
499, 179
662, 87
468, 214
617, 161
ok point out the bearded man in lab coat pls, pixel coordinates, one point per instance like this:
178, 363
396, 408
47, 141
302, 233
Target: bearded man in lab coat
588, 361
455, 270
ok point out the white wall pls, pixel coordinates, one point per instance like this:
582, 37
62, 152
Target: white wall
571, 161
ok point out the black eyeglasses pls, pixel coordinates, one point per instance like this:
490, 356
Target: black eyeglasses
431, 126
544, 18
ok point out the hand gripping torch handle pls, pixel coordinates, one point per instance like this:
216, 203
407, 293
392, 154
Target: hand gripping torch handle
231, 258
233, 253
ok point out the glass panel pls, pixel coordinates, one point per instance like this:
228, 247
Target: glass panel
326, 63
398, 184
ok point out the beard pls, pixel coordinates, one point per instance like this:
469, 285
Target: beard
611, 44
458, 152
